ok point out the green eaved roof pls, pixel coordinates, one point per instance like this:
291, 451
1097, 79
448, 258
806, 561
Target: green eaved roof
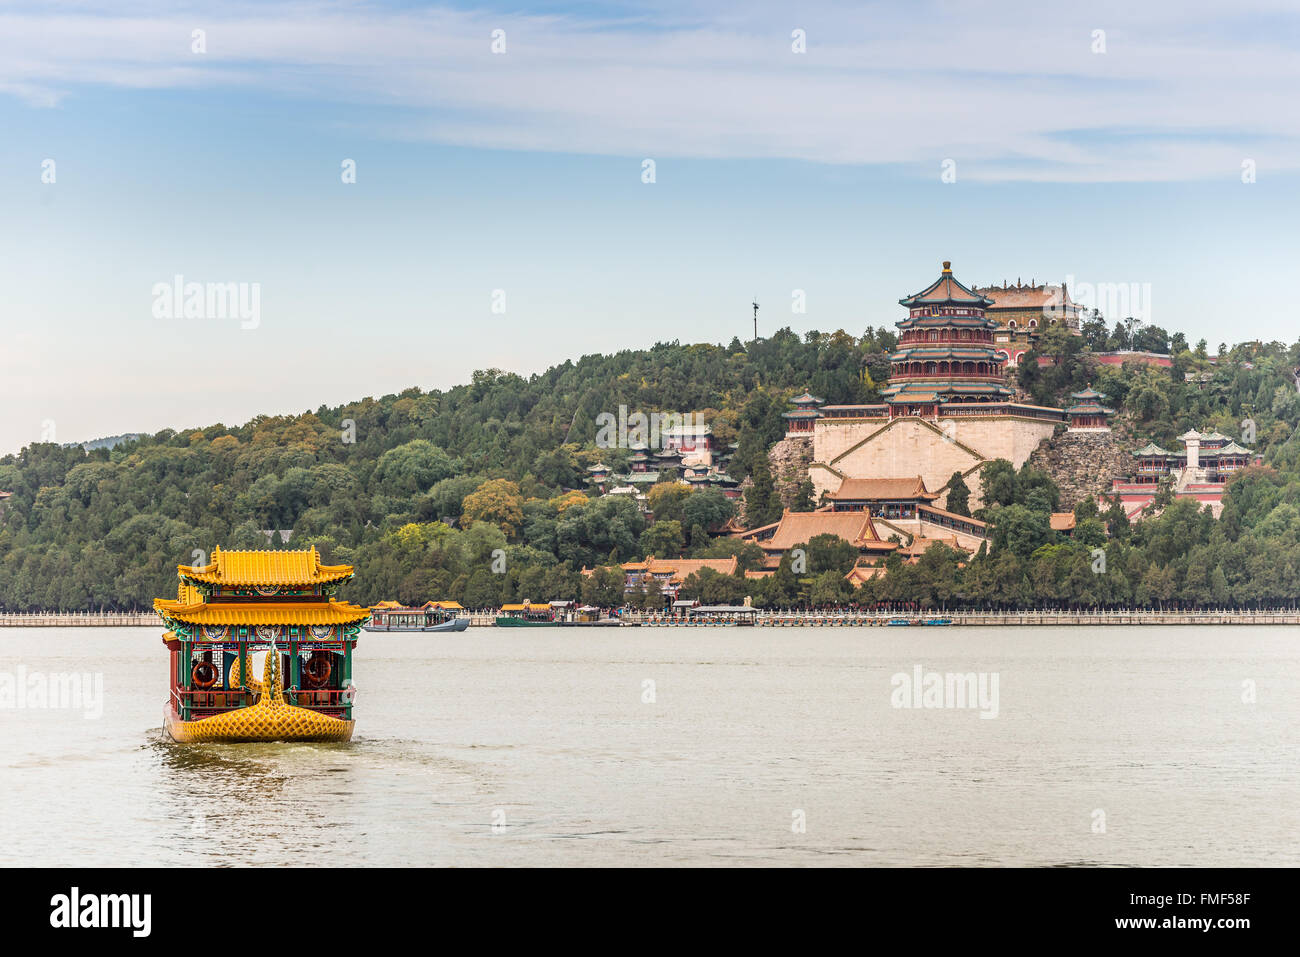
1088, 393
946, 290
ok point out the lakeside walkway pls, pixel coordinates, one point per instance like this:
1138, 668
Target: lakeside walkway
832, 619
76, 619
781, 619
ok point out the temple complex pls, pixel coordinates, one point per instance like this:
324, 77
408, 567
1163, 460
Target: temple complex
670, 573
796, 528
1200, 471
907, 507
1020, 311
688, 454
947, 406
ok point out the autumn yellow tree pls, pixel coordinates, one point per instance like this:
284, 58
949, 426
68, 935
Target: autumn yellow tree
497, 501
568, 500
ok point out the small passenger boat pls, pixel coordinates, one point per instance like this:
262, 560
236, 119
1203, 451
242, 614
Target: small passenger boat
432, 616
527, 615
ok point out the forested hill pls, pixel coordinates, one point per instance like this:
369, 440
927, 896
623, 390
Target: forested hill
369, 482
107, 527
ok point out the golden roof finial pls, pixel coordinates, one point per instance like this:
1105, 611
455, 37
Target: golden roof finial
947, 266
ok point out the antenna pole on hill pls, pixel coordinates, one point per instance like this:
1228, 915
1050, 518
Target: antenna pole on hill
755, 304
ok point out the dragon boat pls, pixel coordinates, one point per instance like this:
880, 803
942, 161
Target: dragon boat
245, 602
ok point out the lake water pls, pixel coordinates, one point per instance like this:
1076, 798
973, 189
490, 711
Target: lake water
759, 746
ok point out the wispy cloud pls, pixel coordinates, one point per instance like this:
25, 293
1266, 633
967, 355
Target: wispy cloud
1010, 91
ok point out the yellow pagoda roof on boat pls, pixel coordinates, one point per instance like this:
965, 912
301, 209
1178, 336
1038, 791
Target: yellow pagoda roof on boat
262, 612
397, 605
265, 568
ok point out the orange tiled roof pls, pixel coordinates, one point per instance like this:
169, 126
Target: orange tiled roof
683, 568
796, 528
1062, 521
857, 489
861, 573
265, 568
1041, 296
262, 612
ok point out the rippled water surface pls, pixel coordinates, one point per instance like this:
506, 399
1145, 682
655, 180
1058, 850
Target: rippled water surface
546, 734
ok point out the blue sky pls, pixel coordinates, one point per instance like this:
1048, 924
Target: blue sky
522, 172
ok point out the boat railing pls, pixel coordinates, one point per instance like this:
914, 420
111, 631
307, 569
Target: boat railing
201, 704
210, 698
198, 703
318, 698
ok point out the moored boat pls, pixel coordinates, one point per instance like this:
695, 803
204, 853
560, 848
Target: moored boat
589, 616
246, 602
527, 615
432, 616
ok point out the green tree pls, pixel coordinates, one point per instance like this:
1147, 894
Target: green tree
663, 539
604, 586
958, 495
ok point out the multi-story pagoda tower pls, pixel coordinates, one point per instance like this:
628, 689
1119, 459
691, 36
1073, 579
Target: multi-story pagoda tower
946, 351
